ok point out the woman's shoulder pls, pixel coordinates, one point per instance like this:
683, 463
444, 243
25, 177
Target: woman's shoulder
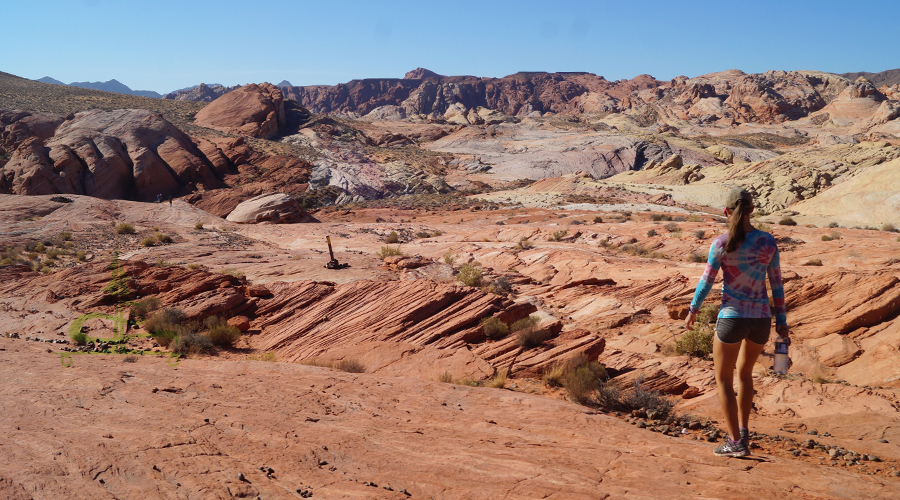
760, 234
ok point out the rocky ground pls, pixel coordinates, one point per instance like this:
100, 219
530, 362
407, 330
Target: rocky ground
599, 280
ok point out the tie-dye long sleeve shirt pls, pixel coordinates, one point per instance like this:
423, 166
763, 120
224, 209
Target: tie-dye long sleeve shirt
744, 272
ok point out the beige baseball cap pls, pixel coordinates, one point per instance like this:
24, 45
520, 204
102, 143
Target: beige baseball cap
735, 195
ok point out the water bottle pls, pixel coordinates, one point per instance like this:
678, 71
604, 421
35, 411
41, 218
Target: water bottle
781, 355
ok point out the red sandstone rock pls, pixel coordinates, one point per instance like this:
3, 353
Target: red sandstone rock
273, 208
253, 110
110, 154
242, 323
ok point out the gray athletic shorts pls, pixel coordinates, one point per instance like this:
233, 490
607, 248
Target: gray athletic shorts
734, 330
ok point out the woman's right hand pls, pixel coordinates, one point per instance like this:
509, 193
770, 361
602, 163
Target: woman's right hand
689, 321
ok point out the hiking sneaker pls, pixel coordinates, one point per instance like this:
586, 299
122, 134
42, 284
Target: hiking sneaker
731, 449
745, 438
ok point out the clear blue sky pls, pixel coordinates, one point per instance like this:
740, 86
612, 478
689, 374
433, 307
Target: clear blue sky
164, 45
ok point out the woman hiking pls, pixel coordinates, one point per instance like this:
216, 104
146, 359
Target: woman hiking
746, 255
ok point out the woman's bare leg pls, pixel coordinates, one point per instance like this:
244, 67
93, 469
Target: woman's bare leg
745, 362
725, 356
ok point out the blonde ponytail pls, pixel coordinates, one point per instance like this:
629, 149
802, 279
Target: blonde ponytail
736, 231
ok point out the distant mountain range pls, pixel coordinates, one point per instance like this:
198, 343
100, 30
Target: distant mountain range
109, 86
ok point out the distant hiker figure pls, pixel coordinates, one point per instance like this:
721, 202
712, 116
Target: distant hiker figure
746, 255
159, 198
170, 200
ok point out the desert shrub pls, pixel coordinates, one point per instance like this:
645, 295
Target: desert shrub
650, 400
660, 217
164, 320
350, 366
700, 234
160, 262
79, 338
559, 235
524, 244
53, 254
423, 234
387, 251
6, 262
888, 228
149, 241
494, 328
698, 341
697, 257
671, 227
198, 226
144, 307
46, 268
762, 226
825, 237
813, 262
65, 236
500, 286
449, 258
652, 233
469, 275
124, 228
528, 335
392, 238
582, 380
34, 255
576, 222
498, 381
220, 333
446, 378
230, 271
436, 233
40, 248
833, 224
81, 255
193, 266
265, 356
500, 223
193, 343
130, 359
787, 221
598, 219
163, 238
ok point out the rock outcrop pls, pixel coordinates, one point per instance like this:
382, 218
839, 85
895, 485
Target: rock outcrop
122, 154
201, 93
272, 208
253, 110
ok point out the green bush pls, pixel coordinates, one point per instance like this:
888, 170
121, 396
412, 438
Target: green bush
193, 266
470, 275
220, 333
149, 241
500, 286
163, 238
889, 228
697, 257
652, 233
198, 226
392, 238
598, 219
528, 335
813, 262
40, 248
124, 228
825, 237
700, 234
79, 338
164, 320
387, 251
559, 235
449, 258
671, 227
494, 328
81, 255
698, 341
423, 234
65, 236
582, 379
660, 217
787, 221
193, 343
524, 244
